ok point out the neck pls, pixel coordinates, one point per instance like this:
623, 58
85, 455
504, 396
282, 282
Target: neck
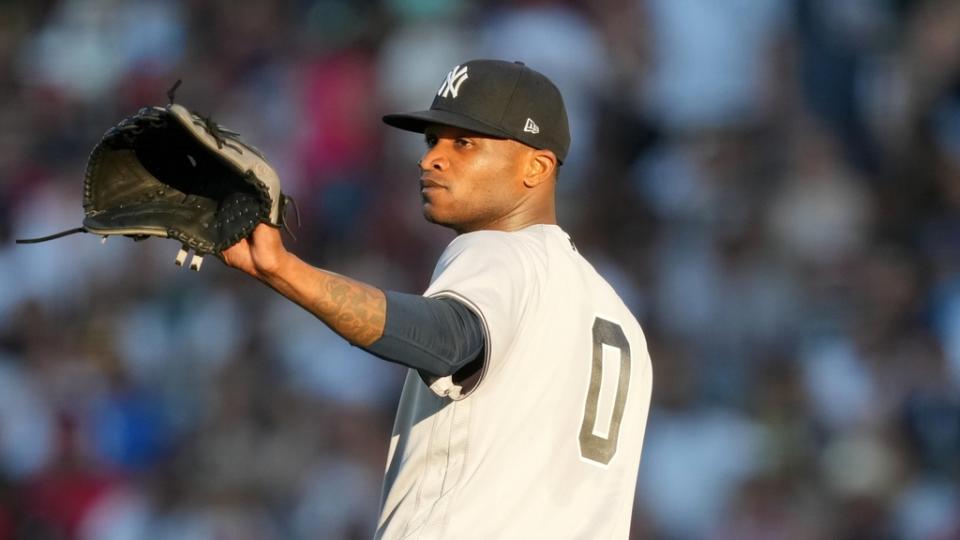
522, 216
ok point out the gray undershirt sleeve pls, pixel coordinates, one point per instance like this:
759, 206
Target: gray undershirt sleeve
437, 336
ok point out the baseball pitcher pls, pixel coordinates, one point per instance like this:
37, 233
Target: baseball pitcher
524, 408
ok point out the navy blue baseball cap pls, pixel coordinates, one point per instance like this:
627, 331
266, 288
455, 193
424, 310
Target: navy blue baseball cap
499, 99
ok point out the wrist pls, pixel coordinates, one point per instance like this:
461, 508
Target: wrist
273, 270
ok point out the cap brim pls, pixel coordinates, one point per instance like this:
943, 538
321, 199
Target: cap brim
418, 122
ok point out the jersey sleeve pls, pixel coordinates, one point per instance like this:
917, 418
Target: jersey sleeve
492, 273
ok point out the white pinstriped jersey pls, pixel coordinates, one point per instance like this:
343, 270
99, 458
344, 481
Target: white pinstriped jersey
547, 445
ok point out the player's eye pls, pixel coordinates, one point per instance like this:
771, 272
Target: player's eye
463, 143
430, 141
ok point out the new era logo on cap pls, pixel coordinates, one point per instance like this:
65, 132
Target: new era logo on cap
499, 99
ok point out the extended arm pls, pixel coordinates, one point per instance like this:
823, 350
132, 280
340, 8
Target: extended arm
436, 336
354, 310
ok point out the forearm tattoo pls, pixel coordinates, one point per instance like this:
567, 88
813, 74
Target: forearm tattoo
355, 311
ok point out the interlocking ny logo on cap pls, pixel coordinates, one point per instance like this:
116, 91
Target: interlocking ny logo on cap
453, 81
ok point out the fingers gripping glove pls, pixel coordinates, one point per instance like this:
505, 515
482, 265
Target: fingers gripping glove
170, 173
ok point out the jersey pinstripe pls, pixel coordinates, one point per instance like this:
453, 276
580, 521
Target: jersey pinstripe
548, 443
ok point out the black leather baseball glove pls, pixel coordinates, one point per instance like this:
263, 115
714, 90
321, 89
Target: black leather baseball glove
168, 172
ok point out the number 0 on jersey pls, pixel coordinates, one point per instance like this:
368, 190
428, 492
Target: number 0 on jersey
595, 447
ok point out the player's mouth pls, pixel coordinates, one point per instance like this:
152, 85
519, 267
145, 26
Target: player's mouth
428, 184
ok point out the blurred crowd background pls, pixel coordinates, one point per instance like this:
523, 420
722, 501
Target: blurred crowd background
772, 185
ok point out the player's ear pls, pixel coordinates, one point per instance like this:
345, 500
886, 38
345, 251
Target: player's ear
540, 167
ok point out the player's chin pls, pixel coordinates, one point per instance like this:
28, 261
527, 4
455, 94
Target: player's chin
435, 215
431, 214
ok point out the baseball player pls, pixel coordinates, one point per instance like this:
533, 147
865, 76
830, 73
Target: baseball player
524, 408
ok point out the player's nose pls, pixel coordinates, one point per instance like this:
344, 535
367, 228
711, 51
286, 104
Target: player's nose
433, 160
